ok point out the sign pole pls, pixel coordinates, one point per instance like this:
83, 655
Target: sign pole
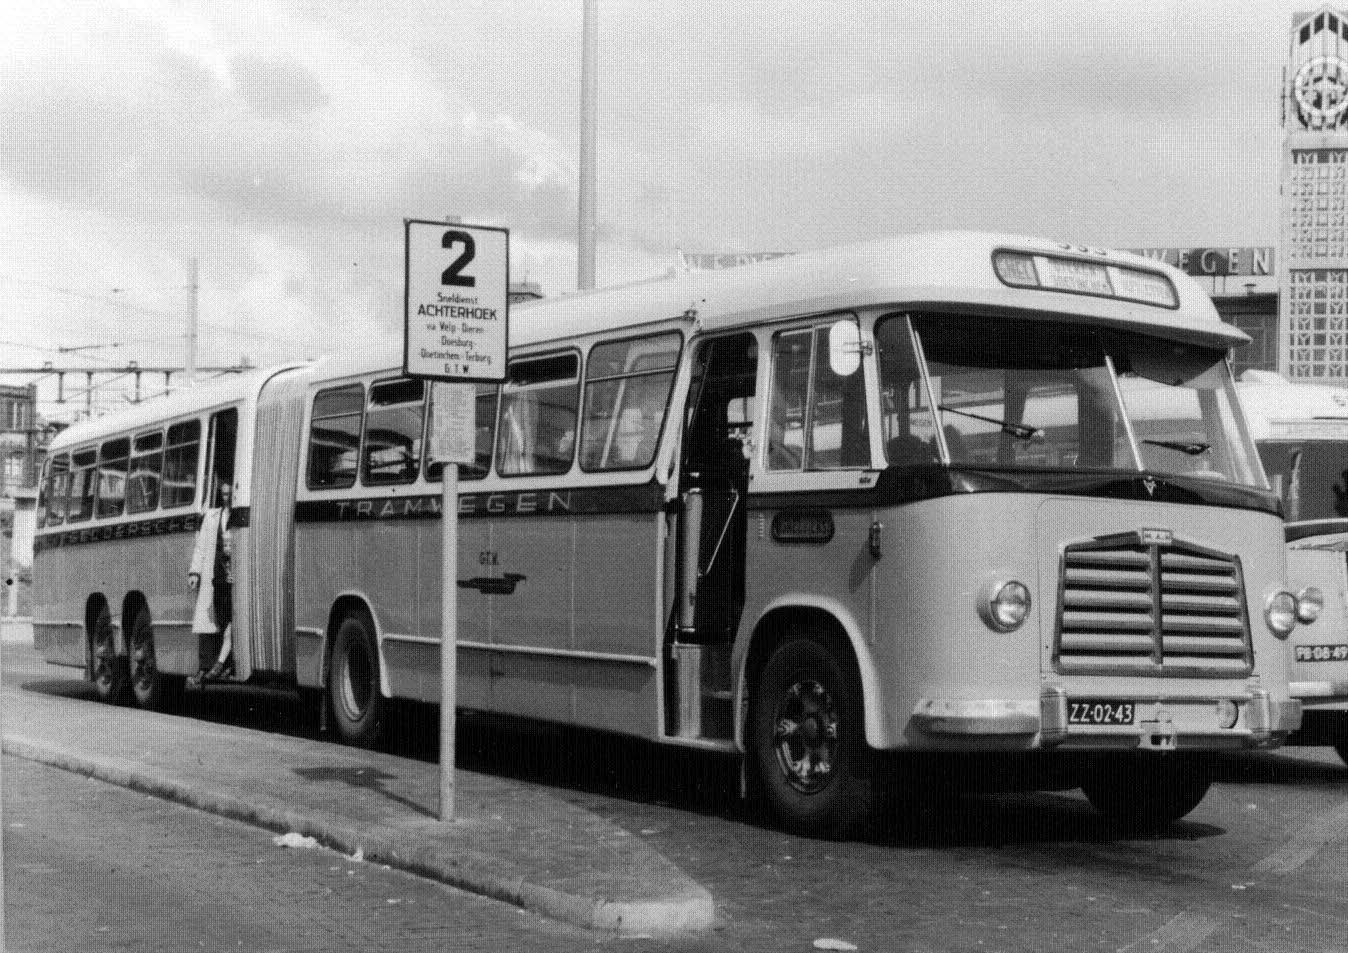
449, 633
456, 303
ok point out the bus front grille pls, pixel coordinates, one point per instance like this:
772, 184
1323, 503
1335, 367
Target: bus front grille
1132, 606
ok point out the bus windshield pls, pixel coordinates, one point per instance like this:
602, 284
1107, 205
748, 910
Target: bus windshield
1044, 395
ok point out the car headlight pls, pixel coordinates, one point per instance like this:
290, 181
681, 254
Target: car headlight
1280, 612
1310, 603
1005, 605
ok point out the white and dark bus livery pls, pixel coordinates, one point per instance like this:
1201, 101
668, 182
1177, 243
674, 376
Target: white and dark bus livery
1301, 431
800, 512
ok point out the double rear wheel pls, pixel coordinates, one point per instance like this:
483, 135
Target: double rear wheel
108, 671
151, 688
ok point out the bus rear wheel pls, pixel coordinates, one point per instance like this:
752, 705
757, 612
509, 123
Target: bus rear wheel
1147, 793
153, 690
358, 707
807, 741
110, 675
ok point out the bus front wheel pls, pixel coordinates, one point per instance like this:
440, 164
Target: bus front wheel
807, 740
153, 690
358, 707
110, 675
1147, 793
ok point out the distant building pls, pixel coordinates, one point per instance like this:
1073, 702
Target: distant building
19, 462
1313, 298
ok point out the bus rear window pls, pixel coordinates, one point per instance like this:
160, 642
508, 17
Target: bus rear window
179, 486
55, 487
334, 437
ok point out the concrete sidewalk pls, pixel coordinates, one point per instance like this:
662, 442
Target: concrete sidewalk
512, 840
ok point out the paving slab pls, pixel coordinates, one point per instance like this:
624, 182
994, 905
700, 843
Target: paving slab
512, 840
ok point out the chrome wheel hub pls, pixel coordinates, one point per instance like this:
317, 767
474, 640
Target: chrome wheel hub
805, 736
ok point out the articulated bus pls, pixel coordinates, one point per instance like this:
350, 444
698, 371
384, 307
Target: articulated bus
1301, 431
798, 512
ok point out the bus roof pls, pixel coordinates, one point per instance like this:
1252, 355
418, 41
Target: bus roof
907, 270
207, 395
911, 271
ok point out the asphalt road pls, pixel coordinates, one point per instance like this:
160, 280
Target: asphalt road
1259, 865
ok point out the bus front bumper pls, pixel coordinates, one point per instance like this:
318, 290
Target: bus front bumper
1263, 721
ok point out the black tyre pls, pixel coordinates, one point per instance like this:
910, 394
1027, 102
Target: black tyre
107, 669
1147, 793
807, 740
359, 710
152, 689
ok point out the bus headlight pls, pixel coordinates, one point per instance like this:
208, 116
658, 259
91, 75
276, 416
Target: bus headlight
1310, 603
1280, 612
1005, 605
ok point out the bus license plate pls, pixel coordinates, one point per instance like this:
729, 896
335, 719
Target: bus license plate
1099, 711
1322, 653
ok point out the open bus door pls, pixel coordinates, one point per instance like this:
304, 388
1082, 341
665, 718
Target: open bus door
219, 491
714, 485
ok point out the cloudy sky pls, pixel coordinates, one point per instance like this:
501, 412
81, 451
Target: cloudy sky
281, 144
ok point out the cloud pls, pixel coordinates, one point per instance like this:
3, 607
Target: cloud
281, 86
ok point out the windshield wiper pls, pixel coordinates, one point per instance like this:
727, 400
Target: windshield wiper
1192, 449
1019, 431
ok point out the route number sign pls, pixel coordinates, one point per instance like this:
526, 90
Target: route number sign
456, 301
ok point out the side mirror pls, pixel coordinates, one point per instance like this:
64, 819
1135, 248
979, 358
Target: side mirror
844, 348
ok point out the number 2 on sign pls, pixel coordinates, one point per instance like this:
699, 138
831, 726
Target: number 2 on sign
453, 275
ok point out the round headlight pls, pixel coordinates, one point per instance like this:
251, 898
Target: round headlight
1310, 603
1007, 606
1280, 612
1227, 713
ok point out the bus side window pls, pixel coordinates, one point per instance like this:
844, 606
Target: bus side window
818, 419
393, 428
58, 478
334, 437
112, 462
484, 427
627, 386
179, 487
538, 416
147, 465
80, 500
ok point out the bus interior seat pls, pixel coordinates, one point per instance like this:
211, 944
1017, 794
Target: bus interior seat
908, 449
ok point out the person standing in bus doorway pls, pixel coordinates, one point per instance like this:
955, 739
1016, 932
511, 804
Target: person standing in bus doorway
210, 576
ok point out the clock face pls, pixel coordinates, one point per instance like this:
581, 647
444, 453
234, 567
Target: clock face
1321, 91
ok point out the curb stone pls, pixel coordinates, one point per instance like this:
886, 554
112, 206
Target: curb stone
692, 911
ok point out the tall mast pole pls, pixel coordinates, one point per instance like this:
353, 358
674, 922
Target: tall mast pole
588, 96
190, 364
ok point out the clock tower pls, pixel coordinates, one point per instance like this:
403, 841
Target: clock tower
1313, 297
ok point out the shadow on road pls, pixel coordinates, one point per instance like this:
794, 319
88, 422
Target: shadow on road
641, 775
